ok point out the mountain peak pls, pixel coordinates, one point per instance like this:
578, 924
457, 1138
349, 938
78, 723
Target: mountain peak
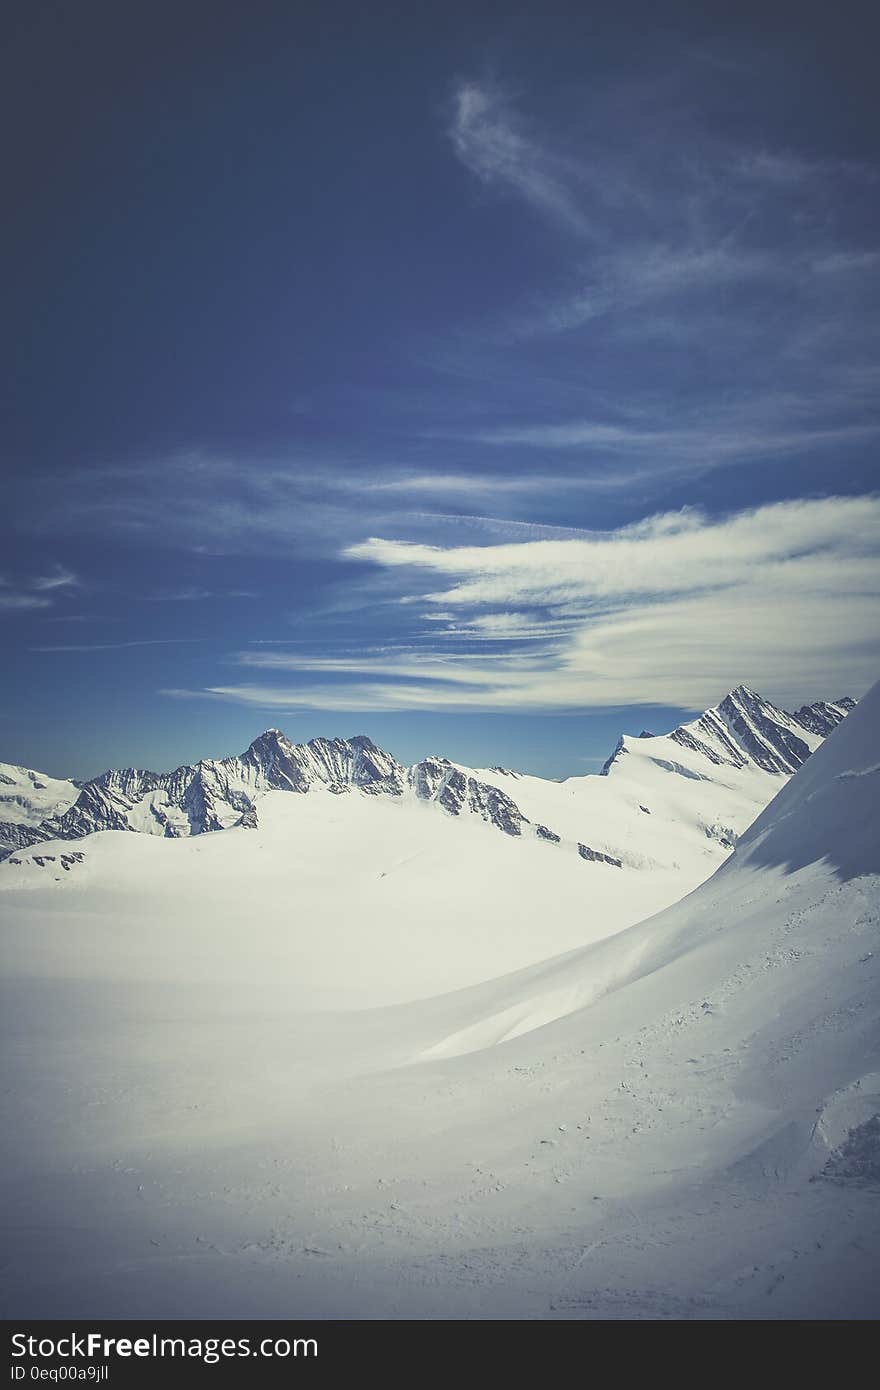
827, 812
745, 693
746, 728
269, 739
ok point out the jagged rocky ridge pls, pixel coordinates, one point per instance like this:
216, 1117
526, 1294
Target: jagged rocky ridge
217, 794
437, 779
745, 728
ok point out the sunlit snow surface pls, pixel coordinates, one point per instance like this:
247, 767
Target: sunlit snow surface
217, 1103
30, 797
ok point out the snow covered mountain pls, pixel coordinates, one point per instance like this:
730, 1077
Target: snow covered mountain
679, 1120
746, 729
217, 794
743, 735
339, 832
27, 800
676, 803
31, 797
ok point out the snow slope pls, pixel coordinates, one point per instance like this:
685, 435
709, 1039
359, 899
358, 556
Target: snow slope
349, 902
676, 1121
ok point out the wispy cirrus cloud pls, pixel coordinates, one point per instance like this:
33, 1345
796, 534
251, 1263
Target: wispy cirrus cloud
394, 664
224, 505
671, 609
725, 262
36, 591
193, 594
12, 601
699, 444
57, 578
81, 618
690, 278
492, 142
117, 646
787, 168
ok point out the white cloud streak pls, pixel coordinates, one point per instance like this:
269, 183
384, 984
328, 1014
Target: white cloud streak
57, 578
706, 444
491, 142
117, 646
673, 609
10, 601
39, 591
195, 595
662, 555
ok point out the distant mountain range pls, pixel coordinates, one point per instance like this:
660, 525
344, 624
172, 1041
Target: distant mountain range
704, 781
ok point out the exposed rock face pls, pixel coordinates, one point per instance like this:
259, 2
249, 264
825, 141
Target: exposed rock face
64, 861
375, 771
824, 715
544, 834
14, 836
273, 762
722, 833
746, 729
594, 856
215, 794
617, 754
436, 779
767, 736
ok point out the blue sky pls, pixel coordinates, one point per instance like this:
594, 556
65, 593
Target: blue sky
487, 380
